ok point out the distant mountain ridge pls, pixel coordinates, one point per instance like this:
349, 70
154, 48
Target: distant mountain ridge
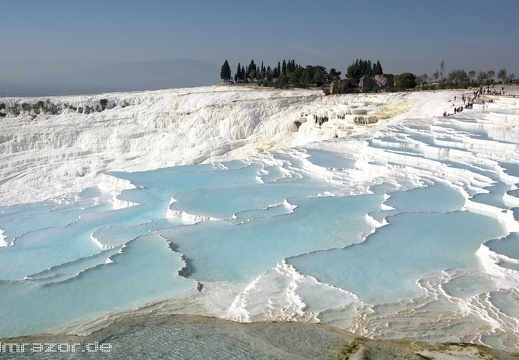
124, 76
160, 74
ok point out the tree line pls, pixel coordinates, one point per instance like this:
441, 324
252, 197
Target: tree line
288, 73
464, 79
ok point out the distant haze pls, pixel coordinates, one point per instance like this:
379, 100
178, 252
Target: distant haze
124, 76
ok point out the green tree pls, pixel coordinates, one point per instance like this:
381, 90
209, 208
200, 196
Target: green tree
458, 77
275, 73
269, 74
243, 75
307, 76
103, 103
237, 75
261, 73
362, 68
482, 76
472, 75
291, 66
295, 77
346, 86
282, 81
405, 81
491, 74
354, 71
225, 72
442, 69
501, 75
251, 72
377, 69
334, 75
320, 75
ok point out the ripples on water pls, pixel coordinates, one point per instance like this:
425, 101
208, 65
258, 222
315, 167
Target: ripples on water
191, 338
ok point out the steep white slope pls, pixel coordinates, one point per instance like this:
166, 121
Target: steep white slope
44, 156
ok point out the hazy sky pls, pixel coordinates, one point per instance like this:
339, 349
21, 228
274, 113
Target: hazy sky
414, 35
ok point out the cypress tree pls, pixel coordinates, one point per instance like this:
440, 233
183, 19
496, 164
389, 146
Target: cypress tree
378, 69
291, 66
237, 76
225, 72
251, 72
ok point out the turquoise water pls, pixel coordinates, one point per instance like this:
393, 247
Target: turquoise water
144, 269
219, 251
389, 263
329, 159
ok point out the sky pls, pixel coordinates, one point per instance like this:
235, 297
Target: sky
52, 37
